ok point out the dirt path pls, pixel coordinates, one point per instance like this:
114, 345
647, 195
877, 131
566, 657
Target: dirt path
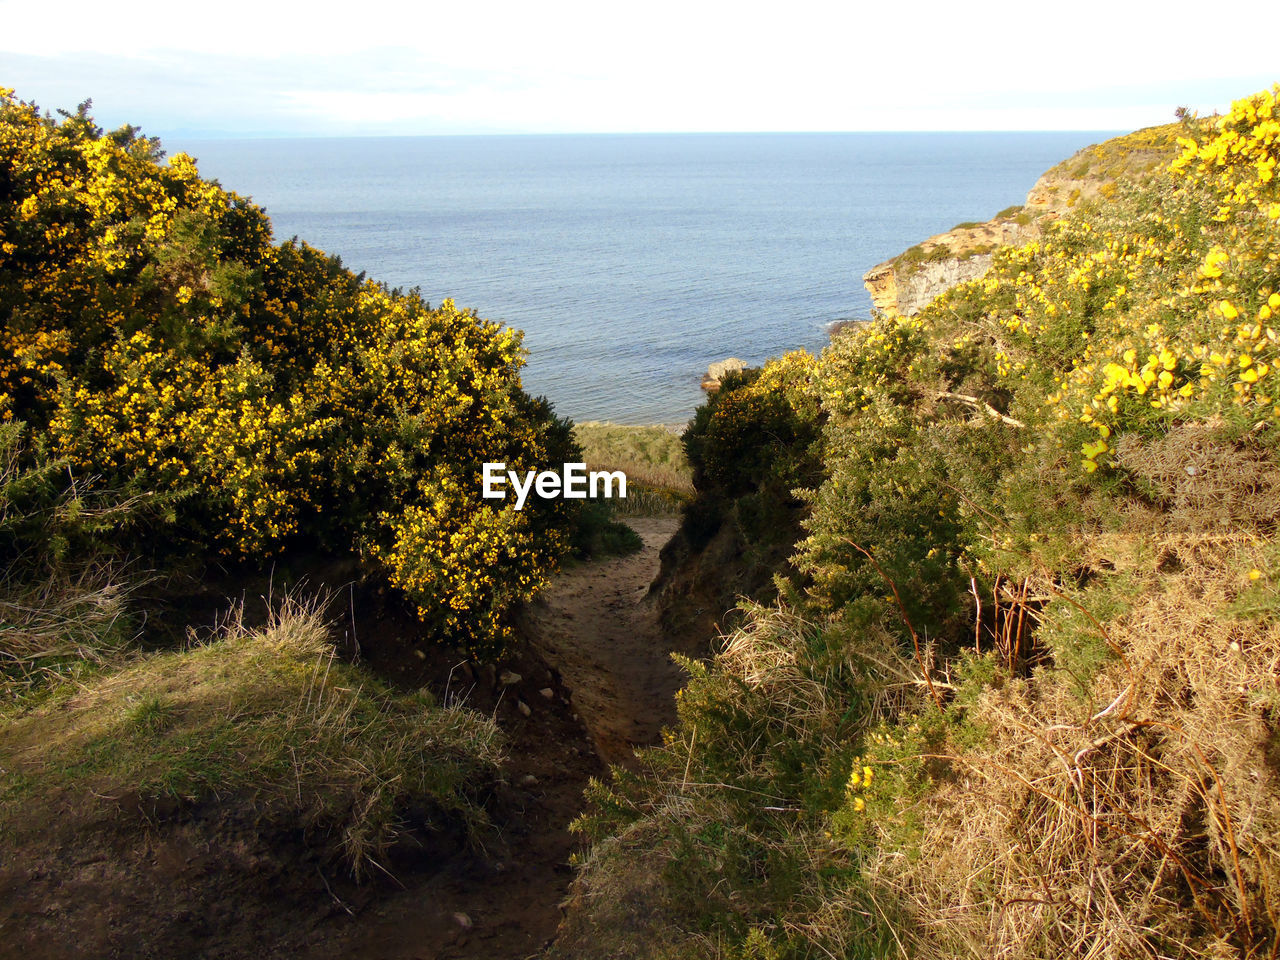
598, 651
594, 681
596, 626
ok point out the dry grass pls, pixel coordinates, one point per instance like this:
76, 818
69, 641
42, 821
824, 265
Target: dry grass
658, 476
1144, 822
269, 719
80, 617
617, 905
61, 606
1202, 483
1136, 815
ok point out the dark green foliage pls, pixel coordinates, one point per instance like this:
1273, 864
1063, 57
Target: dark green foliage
597, 534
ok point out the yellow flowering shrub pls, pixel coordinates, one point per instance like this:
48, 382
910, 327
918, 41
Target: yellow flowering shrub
159, 341
1009, 660
758, 429
1187, 290
449, 557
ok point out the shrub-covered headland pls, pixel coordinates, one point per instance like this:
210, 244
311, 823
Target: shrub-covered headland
1017, 691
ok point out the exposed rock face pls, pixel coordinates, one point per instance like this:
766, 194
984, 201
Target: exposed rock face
935, 278
881, 282
719, 370
910, 280
907, 282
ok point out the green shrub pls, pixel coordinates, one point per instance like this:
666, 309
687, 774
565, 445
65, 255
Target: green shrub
157, 341
1035, 603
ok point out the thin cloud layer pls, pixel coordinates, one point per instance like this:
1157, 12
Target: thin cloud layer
569, 66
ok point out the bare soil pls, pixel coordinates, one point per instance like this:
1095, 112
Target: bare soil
125, 878
599, 626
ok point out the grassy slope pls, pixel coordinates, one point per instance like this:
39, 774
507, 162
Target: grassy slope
652, 457
267, 720
1022, 700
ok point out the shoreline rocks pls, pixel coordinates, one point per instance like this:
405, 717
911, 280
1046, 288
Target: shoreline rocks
719, 370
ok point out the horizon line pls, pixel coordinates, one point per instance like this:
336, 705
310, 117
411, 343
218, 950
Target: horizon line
203, 135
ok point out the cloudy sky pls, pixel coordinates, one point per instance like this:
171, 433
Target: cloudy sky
562, 66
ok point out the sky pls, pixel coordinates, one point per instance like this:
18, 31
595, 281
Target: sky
241, 68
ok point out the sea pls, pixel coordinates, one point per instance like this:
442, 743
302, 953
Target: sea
633, 261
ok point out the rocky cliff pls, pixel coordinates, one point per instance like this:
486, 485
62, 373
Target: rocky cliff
905, 283
910, 280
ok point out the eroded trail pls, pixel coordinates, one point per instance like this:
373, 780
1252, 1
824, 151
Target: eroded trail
598, 675
596, 626
216, 881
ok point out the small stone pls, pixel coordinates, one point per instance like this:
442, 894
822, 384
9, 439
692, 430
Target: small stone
508, 678
523, 708
462, 920
547, 692
528, 780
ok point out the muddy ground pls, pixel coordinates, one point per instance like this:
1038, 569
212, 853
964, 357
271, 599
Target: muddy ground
593, 681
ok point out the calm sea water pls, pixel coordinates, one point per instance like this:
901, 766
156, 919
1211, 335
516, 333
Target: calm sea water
631, 262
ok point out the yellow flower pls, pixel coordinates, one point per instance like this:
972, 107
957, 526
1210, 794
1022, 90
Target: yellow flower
1213, 263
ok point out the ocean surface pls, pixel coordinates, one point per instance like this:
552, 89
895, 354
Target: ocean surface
633, 261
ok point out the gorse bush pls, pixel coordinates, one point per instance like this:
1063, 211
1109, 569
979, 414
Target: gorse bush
158, 341
1033, 595
758, 430
752, 445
